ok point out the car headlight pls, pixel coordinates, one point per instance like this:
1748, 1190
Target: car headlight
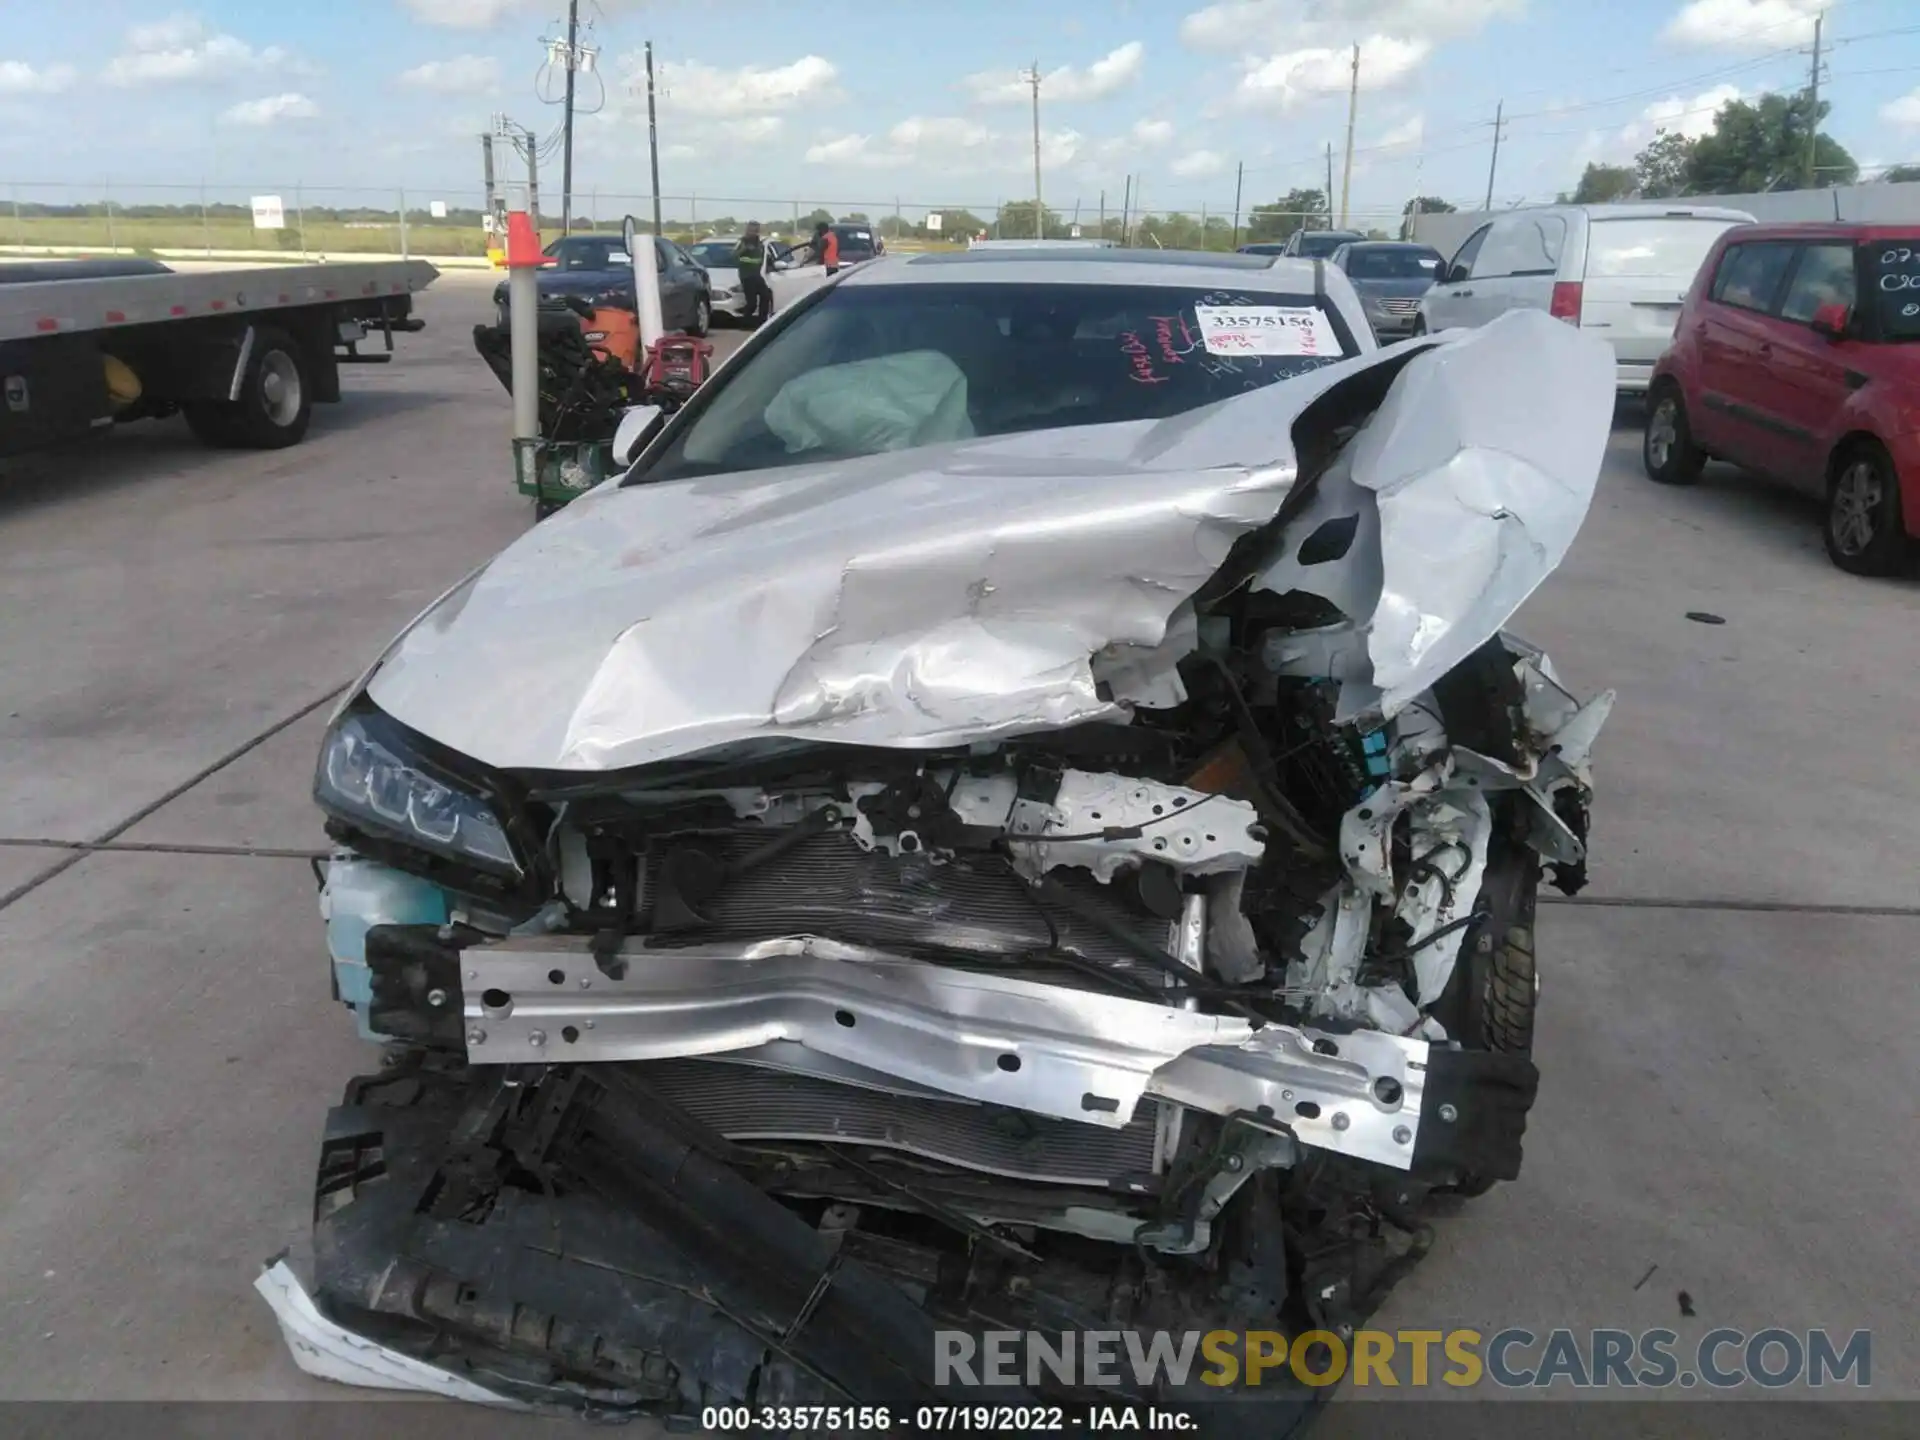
734, 292
368, 777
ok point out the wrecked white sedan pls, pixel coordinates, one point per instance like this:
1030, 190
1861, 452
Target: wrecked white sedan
1017, 814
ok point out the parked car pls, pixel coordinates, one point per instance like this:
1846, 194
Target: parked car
1390, 276
1618, 272
1318, 244
1797, 356
983, 767
598, 269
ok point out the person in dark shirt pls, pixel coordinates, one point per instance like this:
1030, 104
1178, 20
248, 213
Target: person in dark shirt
750, 260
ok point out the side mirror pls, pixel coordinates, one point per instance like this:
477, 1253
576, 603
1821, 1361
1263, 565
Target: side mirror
631, 436
1455, 275
1831, 321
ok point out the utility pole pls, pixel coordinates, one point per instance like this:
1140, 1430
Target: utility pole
1353, 109
1499, 110
566, 152
1032, 78
1813, 108
1303, 219
1239, 174
653, 141
1103, 214
1126, 209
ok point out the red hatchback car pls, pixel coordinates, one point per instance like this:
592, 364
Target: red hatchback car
1797, 355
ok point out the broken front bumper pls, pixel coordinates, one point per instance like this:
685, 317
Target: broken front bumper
994, 1039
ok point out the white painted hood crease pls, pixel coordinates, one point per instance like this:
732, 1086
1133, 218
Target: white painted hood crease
987, 588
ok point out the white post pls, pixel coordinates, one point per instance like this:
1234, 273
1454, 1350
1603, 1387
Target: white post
646, 283
523, 328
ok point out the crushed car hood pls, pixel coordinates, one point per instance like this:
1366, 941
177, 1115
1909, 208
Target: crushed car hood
984, 588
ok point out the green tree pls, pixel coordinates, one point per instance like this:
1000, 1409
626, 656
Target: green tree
1016, 222
856, 217
1762, 145
815, 218
1901, 174
1295, 210
1601, 183
1665, 168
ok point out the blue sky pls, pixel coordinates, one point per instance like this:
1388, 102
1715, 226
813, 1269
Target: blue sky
867, 102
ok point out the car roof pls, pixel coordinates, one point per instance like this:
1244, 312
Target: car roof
1184, 268
1388, 245
1831, 230
1630, 210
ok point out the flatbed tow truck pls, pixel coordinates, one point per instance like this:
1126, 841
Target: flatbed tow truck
243, 354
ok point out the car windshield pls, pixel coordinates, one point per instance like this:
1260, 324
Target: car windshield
869, 369
1321, 243
1393, 263
714, 252
583, 254
1671, 246
1896, 288
854, 241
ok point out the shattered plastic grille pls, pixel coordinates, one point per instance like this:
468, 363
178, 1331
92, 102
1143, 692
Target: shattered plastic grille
747, 1102
830, 887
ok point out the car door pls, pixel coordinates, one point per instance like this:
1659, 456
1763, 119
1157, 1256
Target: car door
1812, 374
1530, 250
678, 285
1734, 332
1445, 305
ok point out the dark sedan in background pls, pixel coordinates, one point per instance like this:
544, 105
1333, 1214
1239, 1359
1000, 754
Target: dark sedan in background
597, 269
1390, 277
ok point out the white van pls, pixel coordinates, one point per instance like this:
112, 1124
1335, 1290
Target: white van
1619, 272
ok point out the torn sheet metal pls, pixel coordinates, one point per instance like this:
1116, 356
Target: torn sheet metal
330, 1352
1474, 474
963, 591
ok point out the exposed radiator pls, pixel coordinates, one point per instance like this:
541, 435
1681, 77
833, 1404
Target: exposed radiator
968, 907
748, 1102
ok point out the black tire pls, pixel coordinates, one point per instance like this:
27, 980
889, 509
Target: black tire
702, 316
1490, 998
275, 404
1865, 528
1419, 326
1666, 441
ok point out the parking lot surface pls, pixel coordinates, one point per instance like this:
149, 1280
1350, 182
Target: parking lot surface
1728, 1012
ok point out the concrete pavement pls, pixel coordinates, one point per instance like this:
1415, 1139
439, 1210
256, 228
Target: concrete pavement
1725, 1059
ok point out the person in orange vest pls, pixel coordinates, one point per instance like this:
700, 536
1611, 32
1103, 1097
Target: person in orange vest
826, 247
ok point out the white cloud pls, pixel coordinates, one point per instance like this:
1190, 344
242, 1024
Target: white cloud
1691, 116
755, 128
1242, 25
19, 78
949, 145
1904, 112
1743, 24
708, 91
1196, 163
462, 14
1106, 76
1151, 132
1282, 82
462, 75
1406, 135
181, 49
271, 110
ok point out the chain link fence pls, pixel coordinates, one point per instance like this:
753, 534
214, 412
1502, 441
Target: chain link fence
316, 222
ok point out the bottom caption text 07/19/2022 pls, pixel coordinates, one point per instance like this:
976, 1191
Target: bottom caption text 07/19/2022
947, 1419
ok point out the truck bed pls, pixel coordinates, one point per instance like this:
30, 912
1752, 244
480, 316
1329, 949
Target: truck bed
55, 307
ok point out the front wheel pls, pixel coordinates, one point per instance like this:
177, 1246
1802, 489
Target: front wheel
702, 317
1865, 531
1666, 448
